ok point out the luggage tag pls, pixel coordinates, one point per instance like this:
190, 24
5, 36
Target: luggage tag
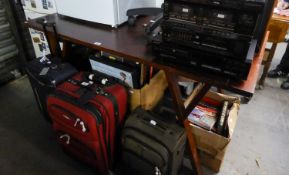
152, 122
44, 71
157, 171
86, 84
44, 59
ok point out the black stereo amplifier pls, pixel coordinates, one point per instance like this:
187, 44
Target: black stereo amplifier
230, 4
196, 59
243, 17
206, 39
242, 20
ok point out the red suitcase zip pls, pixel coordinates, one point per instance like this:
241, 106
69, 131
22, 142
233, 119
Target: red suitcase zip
82, 151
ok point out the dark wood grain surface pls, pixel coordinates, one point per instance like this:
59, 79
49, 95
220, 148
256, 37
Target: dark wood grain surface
129, 42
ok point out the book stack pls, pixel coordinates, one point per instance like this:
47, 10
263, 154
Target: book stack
211, 115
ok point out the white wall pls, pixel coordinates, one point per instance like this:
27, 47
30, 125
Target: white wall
159, 2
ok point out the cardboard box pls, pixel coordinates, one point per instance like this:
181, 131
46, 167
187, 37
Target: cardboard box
148, 96
212, 147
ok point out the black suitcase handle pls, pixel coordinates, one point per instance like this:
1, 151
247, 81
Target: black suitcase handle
46, 23
88, 90
157, 124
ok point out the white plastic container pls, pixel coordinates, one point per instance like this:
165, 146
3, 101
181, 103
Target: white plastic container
109, 12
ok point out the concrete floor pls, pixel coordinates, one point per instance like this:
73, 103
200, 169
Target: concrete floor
259, 144
260, 141
27, 143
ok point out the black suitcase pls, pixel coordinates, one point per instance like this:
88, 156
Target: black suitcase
45, 76
152, 144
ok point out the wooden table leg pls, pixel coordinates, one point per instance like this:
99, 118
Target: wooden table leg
183, 111
198, 93
66, 49
267, 65
53, 43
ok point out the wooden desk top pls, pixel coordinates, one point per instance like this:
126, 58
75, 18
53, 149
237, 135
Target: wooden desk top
130, 43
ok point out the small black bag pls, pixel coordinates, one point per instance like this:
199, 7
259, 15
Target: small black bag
44, 78
45, 74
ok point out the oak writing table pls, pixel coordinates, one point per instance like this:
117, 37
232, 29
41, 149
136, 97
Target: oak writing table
278, 27
129, 42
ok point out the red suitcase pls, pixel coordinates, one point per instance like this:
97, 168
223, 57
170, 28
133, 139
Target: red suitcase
86, 115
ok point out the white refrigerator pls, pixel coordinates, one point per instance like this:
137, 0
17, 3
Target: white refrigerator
35, 9
159, 3
109, 12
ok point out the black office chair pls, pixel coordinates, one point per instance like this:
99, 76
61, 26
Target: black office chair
153, 24
133, 13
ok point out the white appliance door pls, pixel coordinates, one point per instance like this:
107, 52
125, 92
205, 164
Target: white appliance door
26, 4
100, 11
124, 5
159, 3
32, 14
38, 38
40, 6
46, 6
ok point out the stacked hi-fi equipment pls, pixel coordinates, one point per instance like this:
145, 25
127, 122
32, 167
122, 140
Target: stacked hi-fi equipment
219, 36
